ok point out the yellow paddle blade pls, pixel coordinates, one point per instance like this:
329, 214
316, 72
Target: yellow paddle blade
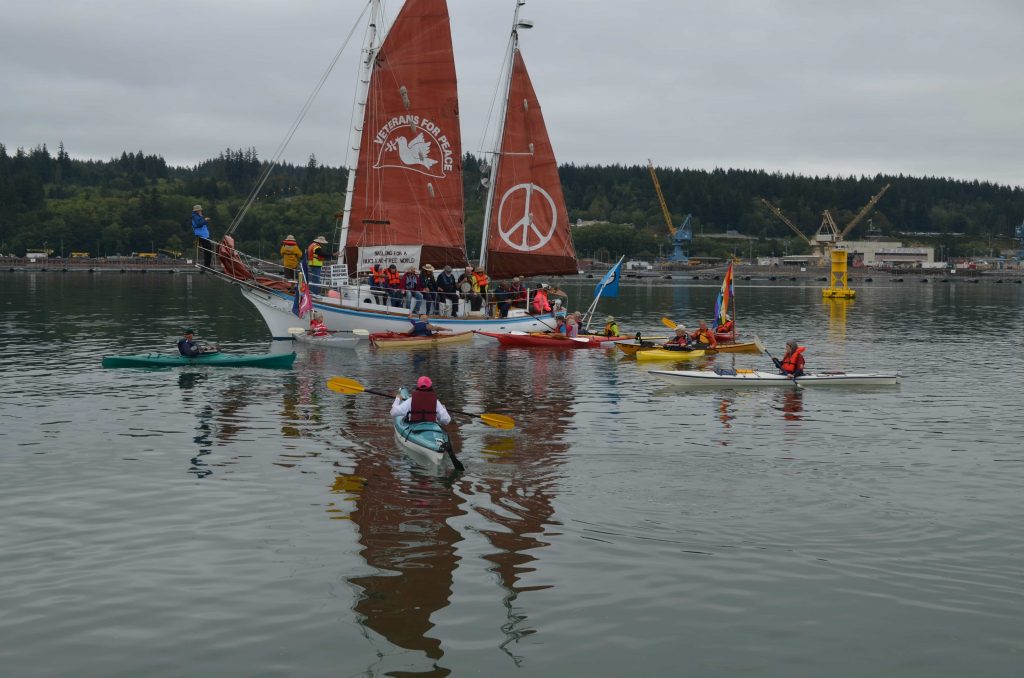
668, 322
345, 385
497, 420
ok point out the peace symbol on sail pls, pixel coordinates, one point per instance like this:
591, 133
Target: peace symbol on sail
519, 229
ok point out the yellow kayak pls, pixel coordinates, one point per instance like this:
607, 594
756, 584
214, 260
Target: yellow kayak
632, 347
666, 354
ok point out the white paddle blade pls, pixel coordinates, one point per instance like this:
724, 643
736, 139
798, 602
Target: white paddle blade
296, 330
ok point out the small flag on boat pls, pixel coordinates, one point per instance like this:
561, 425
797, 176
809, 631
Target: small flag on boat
303, 303
724, 297
609, 284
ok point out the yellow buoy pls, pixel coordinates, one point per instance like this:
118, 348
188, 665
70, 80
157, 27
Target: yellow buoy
838, 289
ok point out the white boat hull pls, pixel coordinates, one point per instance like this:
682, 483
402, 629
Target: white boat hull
754, 378
354, 313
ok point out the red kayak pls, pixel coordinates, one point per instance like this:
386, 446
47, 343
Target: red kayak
551, 340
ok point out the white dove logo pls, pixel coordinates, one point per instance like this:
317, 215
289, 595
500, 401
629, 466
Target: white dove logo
416, 152
415, 144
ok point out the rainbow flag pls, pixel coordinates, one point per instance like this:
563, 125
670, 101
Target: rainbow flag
724, 299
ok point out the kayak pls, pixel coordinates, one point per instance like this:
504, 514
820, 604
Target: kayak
666, 354
400, 340
552, 340
210, 359
632, 347
728, 377
425, 441
327, 341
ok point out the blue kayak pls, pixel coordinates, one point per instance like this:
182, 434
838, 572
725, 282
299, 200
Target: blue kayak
425, 441
209, 359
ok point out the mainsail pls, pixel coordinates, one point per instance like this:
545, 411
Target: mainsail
407, 203
528, 229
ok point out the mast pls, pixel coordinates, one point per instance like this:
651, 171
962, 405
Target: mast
359, 121
496, 155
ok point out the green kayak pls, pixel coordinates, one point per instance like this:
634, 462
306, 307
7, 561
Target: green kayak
211, 359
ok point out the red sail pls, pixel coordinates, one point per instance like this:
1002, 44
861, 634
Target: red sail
529, 229
408, 188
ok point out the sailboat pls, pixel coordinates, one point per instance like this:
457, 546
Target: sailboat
404, 200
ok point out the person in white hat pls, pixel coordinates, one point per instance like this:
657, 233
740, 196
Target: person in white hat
611, 328
201, 229
315, 260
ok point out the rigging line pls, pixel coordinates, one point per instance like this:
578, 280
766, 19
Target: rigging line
294, 127
503, 74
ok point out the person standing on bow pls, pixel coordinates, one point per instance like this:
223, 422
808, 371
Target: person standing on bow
792, 364
201, 229
315, 258
448, 290
290, 255
704, 336
421, 405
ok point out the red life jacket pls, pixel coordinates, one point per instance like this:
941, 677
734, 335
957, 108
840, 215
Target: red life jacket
794, 361
424, 406
481, 279
705, 336
394, 280
378, 275
725, 328
318, 328
540, 302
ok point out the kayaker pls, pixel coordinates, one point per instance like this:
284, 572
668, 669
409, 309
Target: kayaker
421, 326
201, 229
728, 327
704, 336
611, 328
572, 325
421, 405
317, 326
680, 342
290, 255
792, 363
189, 348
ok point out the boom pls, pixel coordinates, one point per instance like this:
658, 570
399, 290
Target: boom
863, 212
661, 199
782, 217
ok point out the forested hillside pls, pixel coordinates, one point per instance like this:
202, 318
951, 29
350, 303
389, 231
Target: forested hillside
137, 203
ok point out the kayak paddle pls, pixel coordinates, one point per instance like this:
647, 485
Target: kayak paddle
352, 387
668, 322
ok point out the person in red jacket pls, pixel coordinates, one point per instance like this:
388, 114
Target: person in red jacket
792, 364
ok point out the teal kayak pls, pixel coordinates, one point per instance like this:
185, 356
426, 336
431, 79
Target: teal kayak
211, 359
426, 441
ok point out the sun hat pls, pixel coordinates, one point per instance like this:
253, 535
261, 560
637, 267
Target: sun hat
289, 237
197, 208
679, 328
320, 239
611, 318
428, 267
189, 330
423, 383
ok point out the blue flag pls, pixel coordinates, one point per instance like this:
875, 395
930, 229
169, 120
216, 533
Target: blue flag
609, 284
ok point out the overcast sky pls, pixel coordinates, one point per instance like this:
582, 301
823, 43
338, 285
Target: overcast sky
922, 87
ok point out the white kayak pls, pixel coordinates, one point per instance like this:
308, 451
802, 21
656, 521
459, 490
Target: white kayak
328, 341
729, 377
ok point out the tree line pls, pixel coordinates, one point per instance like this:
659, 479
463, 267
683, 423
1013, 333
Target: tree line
138, 203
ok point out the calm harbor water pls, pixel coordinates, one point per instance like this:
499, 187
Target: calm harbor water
247, 522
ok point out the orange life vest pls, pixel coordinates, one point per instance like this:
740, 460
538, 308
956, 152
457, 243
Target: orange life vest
313, 254
393, 279
540, 302
725, 327
794, 361
704, 336
378, 275
480, 280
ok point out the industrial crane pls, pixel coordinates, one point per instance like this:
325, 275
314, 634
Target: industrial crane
681, 236
828, 234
